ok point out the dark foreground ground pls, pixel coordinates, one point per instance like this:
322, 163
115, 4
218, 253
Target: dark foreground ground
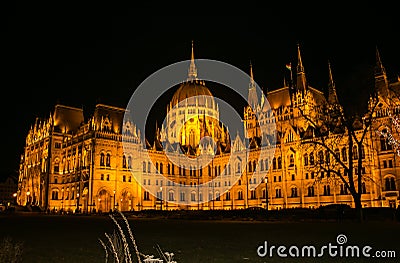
74, 238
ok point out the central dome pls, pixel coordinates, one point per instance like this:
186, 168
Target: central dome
191, 91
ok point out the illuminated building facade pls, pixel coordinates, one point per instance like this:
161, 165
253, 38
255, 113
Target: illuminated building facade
71, 163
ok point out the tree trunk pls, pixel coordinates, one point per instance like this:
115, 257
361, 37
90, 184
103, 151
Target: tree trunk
358, 205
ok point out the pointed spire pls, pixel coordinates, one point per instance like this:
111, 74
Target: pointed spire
252, 96
300, 67
192, 68
379, 69
332, 96
381, 83
301, 83
251, 75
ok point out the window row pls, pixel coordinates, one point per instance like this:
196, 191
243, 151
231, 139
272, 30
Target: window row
124, 178
325, 156
70, 164
294, 192
183, 171
65, 195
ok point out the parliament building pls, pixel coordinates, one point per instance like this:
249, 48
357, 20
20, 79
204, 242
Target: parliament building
105, 162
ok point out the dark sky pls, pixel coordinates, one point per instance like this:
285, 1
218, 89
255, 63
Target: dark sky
85, 54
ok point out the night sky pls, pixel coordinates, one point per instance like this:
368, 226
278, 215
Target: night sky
86, 54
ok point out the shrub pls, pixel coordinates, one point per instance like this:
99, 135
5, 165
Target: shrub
10, 251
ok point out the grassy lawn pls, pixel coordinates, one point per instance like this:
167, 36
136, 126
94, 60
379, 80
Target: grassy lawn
54, 238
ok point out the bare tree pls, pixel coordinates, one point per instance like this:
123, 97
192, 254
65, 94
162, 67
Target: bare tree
339, 139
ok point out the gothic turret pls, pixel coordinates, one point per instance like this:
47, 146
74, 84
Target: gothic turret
192, 73
381, 83
301, 83
252, 97
332, 96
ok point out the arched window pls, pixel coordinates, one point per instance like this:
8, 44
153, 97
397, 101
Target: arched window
278, 193
320, 157
56, 166
108, 160
253, 194
129, 162
279, 162
123, 161
274, 163
146, 196
240, 195
144, 167
327, 190
355, 152
291, 160
311, 158
261, 165
149, 167
343, 189
182, 196
305, 159
385, 146
249, 167
254, 166
390, 184
344, 154
310, 191
228, 196
54, 195
171, 196
217, 196
124, 178
294, 192
363, 188
193, 196
161, 168
327, 157
101, 159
